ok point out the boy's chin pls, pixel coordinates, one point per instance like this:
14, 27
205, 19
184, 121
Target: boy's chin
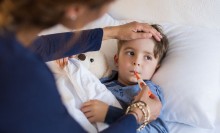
133, 81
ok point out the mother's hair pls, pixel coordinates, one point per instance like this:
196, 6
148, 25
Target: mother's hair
39, 13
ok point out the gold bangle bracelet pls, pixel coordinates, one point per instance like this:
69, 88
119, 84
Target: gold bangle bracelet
140, 105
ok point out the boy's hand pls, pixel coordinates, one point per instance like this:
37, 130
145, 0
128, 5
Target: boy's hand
95, 110
64, 61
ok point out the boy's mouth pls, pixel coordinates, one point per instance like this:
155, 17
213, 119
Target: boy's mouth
135, 71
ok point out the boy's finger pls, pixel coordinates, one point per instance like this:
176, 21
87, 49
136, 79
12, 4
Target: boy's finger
91, 119
58, 62
88, 103
65, 61
61, 63
89, 114
86, 109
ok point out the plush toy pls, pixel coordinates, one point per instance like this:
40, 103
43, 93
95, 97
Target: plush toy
96, 63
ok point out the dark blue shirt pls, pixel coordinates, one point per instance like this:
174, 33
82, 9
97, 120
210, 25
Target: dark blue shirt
29, 100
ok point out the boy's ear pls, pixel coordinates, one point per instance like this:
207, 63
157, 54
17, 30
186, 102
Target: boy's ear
116, 60
158, 66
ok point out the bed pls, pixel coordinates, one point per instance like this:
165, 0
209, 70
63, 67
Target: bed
190, 73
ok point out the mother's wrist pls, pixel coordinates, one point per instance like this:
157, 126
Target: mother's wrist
110, 32
141, 111
135, 115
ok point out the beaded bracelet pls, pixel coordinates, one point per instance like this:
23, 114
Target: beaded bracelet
146, 120
140, 105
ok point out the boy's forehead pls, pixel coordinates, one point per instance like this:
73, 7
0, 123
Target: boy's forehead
139, 42
146, 40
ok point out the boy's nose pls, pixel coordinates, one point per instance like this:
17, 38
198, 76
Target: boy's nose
136, 64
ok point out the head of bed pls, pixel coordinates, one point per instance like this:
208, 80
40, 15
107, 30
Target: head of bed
190, 73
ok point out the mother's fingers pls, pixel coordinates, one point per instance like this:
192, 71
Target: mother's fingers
149, 29
141, 35
153, 102
146, 28
143, 94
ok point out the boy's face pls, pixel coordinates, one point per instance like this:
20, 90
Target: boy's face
138, 55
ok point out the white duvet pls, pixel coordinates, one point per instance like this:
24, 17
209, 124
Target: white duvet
77, 85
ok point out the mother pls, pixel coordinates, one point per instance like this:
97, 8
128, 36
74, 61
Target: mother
29, 101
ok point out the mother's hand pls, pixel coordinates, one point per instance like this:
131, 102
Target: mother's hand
130, 31
153, 102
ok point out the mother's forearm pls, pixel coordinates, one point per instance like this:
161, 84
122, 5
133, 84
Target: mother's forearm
60, 45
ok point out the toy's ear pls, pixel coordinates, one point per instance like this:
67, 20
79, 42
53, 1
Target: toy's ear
116, 60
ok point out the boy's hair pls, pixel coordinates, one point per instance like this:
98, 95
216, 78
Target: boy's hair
160, 47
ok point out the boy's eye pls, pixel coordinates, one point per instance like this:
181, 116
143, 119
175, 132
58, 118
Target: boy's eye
148, 57
130, 53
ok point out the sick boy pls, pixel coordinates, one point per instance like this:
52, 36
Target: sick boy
143, 56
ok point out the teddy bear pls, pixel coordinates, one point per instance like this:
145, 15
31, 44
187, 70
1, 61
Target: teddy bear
96, 63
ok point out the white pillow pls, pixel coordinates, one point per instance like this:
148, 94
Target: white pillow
190, 76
